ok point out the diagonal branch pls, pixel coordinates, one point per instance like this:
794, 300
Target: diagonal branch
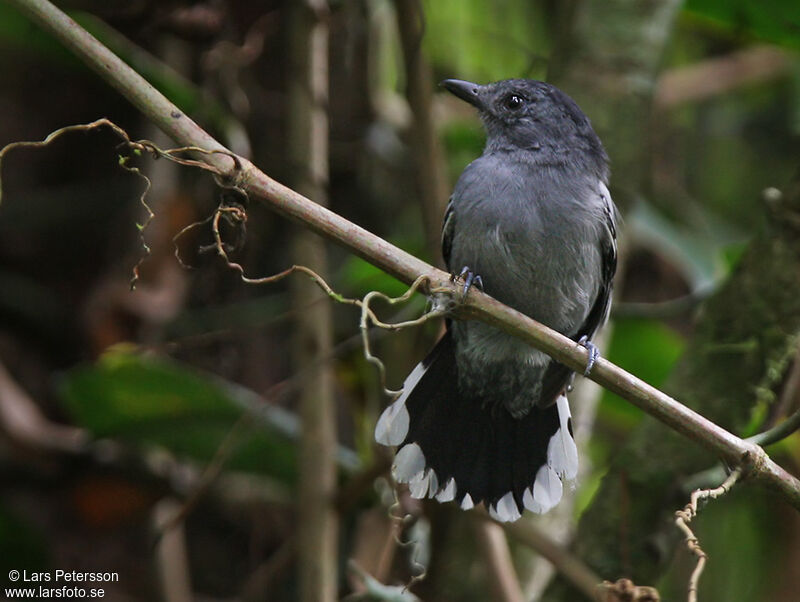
397, 262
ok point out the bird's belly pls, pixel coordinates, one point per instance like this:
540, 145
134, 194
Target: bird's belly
554, 283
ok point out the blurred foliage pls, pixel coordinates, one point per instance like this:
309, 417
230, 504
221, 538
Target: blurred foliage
646, 348
18, 32
776, 21
152, 401
748, 565
360, 277
487, 40
463, 142
22, 544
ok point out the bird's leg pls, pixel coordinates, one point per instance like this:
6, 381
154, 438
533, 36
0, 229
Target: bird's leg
594, 353
469, 277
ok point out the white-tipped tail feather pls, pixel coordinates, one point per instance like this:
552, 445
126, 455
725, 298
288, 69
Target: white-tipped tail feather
448, 493
506, 510
562, 453
545, 493
408, 462
457, 449
392, 426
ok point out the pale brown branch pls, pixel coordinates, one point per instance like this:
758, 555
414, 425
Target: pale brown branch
171, 553
570, 566
713, 77
502, 575
23, 421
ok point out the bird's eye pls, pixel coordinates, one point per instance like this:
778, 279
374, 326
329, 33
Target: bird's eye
513, 102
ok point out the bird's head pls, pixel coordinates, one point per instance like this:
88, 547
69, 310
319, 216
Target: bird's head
524, 114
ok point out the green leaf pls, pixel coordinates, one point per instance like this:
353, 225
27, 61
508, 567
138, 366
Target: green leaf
696, 249
646, 348
360, 277
148, 400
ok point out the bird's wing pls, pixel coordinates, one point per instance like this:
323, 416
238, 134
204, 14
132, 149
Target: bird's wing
448, 230
558, 375
608, 247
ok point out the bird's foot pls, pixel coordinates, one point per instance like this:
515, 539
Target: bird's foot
594, 353
469, 277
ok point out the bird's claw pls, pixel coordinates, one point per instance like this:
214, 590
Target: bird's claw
594, 353
470, 278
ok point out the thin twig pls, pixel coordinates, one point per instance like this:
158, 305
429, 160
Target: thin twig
778, 432
685, 516
368, 317
660, 310
135, 147
210, 473
401, 517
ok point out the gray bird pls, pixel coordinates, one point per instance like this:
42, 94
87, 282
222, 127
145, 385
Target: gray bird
484, 418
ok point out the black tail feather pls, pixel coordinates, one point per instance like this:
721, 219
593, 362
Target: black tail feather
492, 456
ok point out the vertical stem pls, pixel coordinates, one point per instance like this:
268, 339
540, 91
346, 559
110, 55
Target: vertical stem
171, 554
426, 149
307, 149
502, 575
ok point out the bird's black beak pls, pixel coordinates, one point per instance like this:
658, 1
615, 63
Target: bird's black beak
464, 90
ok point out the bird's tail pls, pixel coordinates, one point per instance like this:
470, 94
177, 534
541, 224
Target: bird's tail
453, 446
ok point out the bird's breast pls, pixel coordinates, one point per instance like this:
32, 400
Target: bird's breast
544, 261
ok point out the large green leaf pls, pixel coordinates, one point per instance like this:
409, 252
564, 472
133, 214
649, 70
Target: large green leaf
697, 249
150, 400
